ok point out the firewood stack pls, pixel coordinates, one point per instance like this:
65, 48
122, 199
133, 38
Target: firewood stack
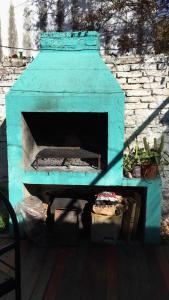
109, 204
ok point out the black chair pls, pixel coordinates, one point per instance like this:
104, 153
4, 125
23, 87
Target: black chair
12, 283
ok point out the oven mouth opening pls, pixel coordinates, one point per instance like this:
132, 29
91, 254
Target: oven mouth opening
65, 141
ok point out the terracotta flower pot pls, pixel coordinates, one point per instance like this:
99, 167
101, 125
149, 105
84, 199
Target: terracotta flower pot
149, 171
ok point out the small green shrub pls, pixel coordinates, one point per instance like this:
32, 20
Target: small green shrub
2, 223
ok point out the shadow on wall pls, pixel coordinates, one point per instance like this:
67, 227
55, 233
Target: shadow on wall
164, 120
3, 157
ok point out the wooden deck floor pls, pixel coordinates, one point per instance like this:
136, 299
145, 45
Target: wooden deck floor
92, 272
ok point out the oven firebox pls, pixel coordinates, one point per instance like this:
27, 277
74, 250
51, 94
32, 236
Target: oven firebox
65, 141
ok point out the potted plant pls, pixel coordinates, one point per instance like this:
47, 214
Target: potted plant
152, 158
136, 171
127, 165
131, 162
144, 162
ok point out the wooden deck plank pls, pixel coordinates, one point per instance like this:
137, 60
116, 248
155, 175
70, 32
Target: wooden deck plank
94, 274
125, 276
163, 261
158, 286
31, 269
86, 287
133, 278
98, 265
141, 283
51, 292
112, 269
72, 283
67, 285
44, 275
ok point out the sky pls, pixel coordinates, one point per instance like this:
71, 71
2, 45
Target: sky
4, 12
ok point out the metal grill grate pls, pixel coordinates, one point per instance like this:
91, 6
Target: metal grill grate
61, 156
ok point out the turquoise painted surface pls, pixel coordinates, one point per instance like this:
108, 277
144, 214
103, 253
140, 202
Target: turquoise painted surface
70, 41
67, 103
76, 71
152, 207
69, 79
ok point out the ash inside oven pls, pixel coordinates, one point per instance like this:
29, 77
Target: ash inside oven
66, 157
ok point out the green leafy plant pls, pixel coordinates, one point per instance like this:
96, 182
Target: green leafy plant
145, 155
154, 155
4, 216
131, 159
127, 164
2, 223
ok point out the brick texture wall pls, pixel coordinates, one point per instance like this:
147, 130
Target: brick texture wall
145, 81
9, 72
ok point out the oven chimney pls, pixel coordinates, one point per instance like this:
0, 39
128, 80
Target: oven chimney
69, 41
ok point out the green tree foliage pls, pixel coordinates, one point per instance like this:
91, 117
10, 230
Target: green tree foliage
12, 31
74, 12
40, 10
161, 34
146, 26
94, 18
26, 34
60, 15
42, 14
142, 25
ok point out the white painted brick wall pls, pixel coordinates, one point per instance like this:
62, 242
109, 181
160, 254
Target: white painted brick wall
9, 72
145, 81
133, 74
137, 93
140, 80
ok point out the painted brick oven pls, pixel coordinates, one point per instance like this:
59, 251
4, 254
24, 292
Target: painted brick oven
67, 104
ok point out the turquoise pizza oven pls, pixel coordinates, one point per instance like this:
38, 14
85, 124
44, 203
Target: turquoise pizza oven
65, 123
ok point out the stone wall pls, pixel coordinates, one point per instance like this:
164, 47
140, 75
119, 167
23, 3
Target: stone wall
145, 81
